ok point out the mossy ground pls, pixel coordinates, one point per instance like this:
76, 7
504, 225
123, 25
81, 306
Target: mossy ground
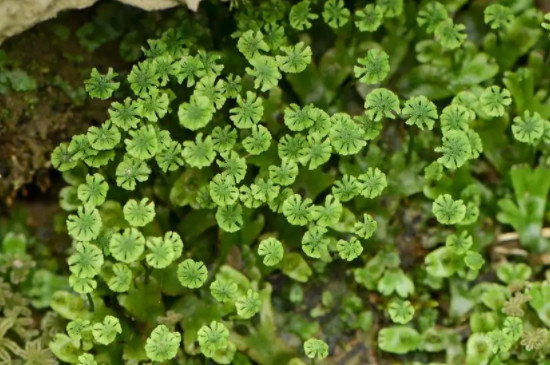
58, 57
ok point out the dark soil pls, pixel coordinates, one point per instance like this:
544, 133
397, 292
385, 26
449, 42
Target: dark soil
58, 55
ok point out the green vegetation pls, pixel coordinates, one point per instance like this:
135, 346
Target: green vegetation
306, 182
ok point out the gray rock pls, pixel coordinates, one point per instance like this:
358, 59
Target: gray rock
19, 15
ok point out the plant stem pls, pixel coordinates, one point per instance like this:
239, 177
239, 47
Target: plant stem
410, 148
90, 302
147, 273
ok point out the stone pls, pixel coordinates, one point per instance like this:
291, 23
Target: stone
19, 15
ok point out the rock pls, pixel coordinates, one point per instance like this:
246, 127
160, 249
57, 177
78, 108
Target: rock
19, 15
150, 5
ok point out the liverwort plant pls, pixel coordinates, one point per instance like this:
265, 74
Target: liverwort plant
280, 172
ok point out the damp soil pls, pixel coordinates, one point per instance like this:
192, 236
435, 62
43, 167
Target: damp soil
59, 55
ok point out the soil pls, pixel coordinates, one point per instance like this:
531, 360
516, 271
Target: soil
32, 123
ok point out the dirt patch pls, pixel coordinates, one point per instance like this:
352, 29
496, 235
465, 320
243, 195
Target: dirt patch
57, 56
